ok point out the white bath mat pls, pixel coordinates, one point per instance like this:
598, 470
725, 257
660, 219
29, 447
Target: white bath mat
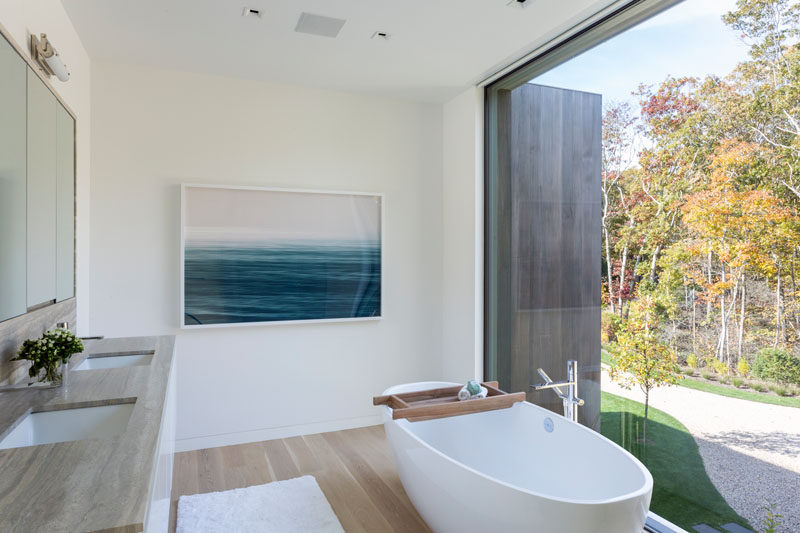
293, 505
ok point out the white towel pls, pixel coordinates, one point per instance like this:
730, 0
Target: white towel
464, 394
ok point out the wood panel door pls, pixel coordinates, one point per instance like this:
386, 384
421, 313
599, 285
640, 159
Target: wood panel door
548, 237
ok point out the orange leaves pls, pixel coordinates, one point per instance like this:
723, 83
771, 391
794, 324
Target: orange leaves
743, 227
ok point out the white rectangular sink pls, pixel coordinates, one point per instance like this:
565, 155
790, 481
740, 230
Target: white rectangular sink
47, 427
114, 361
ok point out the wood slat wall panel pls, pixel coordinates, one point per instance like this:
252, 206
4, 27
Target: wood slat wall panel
547, 299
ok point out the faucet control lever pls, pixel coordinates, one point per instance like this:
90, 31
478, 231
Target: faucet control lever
571, 400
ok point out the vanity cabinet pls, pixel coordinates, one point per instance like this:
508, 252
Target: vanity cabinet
37, 190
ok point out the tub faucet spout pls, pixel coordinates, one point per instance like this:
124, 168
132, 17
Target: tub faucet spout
570, 399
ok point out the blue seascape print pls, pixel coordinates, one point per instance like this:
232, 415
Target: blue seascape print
229, 282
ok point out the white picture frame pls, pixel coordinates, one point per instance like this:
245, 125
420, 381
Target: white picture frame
221, 264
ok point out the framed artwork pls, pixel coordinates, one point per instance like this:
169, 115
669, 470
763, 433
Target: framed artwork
262, 256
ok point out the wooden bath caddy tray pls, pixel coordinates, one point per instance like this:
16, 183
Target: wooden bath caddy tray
440, 403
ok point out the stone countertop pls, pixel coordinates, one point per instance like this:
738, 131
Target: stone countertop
94, 484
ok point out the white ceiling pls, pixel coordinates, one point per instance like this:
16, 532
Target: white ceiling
437, 47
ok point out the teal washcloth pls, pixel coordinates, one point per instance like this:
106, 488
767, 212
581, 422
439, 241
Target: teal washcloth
473, 387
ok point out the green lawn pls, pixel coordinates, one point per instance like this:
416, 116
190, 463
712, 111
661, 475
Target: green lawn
682, 491
739, 393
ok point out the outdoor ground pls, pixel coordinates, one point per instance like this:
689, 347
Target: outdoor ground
682, 492
751, 451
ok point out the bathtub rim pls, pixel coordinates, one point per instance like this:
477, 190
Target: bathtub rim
422, 385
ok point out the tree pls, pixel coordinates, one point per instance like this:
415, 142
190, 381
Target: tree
618, 152
709, 205
641, 358
744, 228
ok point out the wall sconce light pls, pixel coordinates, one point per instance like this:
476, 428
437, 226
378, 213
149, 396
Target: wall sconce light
47, 58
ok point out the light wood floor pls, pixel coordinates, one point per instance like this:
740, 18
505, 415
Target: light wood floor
354, 468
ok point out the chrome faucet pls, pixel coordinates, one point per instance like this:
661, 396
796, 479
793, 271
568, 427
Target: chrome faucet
571, 400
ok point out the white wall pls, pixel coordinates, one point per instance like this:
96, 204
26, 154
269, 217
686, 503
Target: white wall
152, 130
462, 237
21, 18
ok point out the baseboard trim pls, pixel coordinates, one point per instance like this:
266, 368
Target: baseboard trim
243, 437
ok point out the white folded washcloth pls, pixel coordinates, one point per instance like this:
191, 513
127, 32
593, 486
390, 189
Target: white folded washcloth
464, 394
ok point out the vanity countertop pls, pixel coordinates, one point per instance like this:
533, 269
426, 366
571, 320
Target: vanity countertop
94, 484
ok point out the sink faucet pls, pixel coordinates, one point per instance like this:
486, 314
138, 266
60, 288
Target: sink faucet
571, 400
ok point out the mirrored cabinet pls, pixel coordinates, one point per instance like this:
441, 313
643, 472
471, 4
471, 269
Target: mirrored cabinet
37, 190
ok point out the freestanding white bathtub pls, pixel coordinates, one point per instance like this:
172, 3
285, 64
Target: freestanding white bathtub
503, 471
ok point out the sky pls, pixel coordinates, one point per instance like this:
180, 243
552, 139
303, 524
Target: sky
248, 215
687, 40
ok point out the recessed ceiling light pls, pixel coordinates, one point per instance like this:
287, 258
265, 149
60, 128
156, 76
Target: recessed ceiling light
319, 25
381, 35
251, 12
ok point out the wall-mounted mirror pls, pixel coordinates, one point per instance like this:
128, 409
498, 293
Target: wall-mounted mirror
37, 190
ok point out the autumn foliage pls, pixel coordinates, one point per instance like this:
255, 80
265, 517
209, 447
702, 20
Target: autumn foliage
701, 201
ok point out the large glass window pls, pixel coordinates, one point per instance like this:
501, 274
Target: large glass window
643, 219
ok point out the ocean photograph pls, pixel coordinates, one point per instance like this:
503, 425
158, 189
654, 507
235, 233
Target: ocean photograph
254, 255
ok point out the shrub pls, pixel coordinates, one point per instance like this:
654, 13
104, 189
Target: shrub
688, 371
719, 366
778, 365
610, 324
758, 387
691, 360
725, 379
708, 376
738, 382
772, 520
780, 390
743, 367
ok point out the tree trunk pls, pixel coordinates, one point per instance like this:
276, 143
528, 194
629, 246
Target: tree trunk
778, 310
633, 280
653, 263
646, 407
610, 273
727, 316
604, 222
741, 322
794, 289
708, 299
723, 333
685, 292
694, 324
623, 264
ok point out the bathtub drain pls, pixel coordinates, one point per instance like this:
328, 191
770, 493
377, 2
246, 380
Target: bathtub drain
548, 424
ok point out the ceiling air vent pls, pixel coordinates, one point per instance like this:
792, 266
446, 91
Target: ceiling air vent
519, 3
319, 25
251, 12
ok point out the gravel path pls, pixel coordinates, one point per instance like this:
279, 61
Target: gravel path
751, 450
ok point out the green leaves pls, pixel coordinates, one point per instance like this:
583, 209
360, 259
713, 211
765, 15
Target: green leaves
45, 353
774, 364
641, 358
